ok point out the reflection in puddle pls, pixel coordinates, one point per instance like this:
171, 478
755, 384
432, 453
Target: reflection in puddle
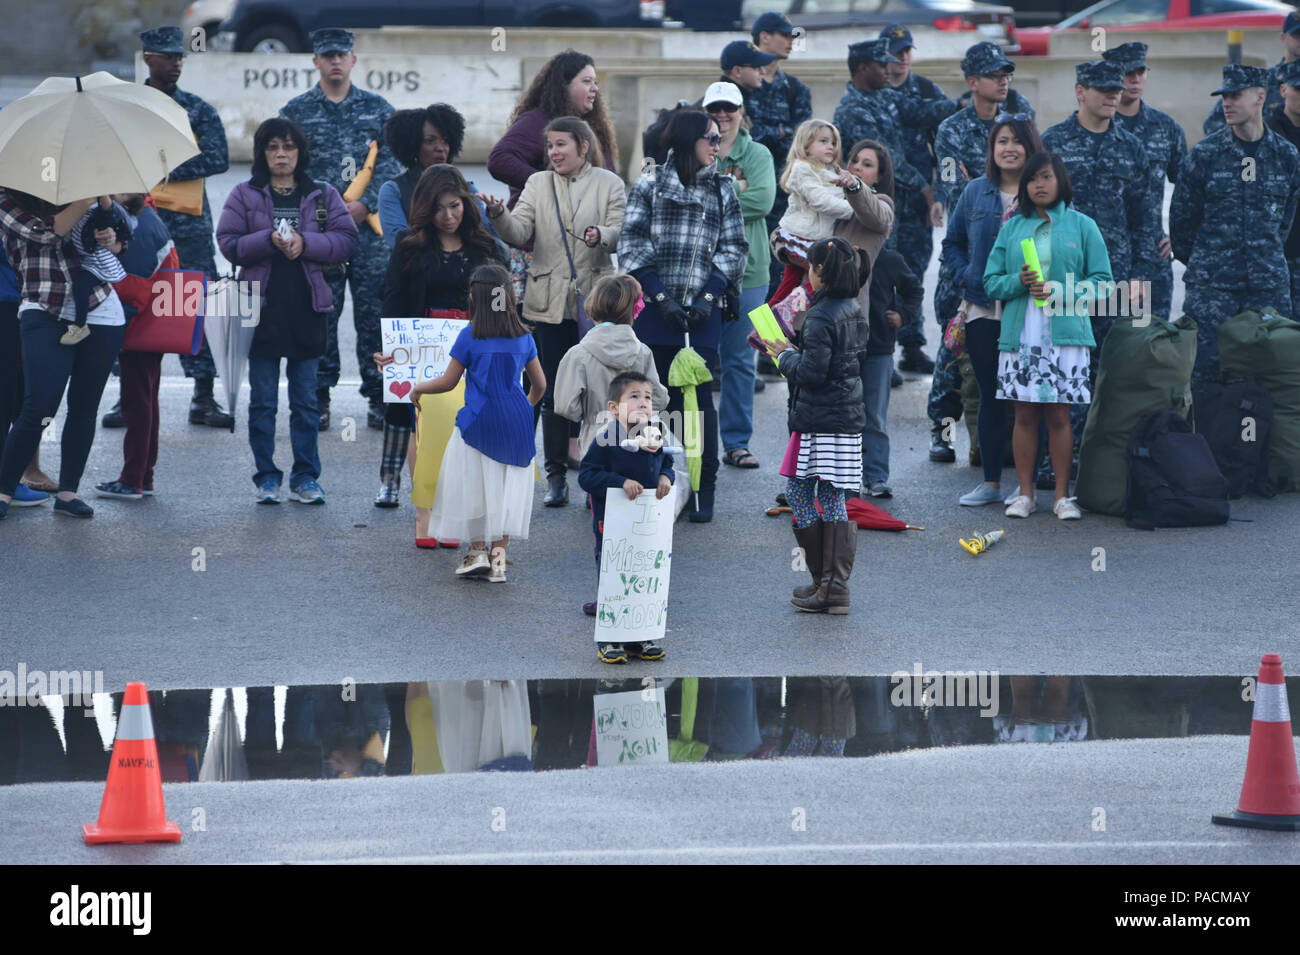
455, 726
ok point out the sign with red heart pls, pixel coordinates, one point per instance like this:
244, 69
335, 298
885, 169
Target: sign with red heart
415, 350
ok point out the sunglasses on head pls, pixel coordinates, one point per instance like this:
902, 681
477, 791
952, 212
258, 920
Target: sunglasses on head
713, 139
722, 107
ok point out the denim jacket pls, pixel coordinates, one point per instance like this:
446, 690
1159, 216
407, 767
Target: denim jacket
972, 230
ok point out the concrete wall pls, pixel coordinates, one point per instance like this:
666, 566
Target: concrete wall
466, 70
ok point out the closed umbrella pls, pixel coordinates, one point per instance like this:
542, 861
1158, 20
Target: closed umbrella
225, 761
72, 138
688, 370
230, 335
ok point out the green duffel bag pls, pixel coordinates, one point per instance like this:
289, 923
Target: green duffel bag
1143, 368
1264, 347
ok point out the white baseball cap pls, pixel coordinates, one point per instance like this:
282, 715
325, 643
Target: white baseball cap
723, 93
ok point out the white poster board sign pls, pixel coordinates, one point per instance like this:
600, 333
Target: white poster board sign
631, 727
421, 349
635, 560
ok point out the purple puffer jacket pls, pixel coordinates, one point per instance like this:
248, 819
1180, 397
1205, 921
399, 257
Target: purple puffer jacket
244, 235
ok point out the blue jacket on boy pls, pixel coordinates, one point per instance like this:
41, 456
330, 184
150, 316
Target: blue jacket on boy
607, 464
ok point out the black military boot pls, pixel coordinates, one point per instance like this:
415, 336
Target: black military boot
557, 490
114, 417
915, 360
204, 408
323, 407
941, 449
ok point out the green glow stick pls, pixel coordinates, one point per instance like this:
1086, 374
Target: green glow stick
1030, 252
765, 324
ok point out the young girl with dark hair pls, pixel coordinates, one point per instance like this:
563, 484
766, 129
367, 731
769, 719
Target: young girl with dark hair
826, 419
485, 483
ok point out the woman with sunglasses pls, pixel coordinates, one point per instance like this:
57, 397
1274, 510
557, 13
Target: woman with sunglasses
684, 241
986, 203
754, 179
572, 214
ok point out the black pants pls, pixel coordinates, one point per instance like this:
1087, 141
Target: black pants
982, 344
663, 356
11, 367
553, 341
48, 368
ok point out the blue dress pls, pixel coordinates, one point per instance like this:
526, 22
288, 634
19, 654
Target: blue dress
497, 419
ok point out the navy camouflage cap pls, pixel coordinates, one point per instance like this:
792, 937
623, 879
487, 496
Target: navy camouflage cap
744, 53
773, 22
1288, 73
984, 59
331, 40
899, 37
876, 50
163, 40
1237, 77
1099, 75
1292, 23
1128, 56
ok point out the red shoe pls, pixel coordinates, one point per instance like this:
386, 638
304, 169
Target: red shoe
451, 542
429, 543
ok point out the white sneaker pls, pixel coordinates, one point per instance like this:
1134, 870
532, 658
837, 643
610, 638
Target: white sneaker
1067, 510
1022, 506
498, 563
984, 493
1011, 497
475, 564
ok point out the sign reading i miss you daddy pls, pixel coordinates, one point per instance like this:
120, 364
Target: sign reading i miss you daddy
635, 560
421, 349
631, 727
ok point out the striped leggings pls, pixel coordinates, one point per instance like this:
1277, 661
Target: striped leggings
802, 494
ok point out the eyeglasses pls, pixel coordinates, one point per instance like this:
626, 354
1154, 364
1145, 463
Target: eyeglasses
722, 107
1011, 117
713, 139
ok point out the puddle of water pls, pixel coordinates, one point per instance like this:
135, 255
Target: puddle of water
343, 731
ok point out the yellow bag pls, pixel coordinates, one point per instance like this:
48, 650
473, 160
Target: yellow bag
185, 196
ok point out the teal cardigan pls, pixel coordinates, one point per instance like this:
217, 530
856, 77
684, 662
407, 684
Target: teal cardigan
1077, 249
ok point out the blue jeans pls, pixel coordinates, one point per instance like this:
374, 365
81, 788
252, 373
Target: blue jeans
876, 374
304, 419
736, 407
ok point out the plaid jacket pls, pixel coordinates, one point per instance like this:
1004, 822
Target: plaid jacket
42, 259
684, 234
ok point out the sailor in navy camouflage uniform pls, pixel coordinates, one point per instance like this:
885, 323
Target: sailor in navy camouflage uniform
777, 107
1166, 146
163, 55
959, 149
915, 232
340, 126
1232, 211
1285, 121
1290, 51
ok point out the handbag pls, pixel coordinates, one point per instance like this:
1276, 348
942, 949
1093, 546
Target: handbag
573, 306
954, 335
162, 332
185, 196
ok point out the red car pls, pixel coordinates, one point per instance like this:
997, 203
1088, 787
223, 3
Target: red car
1156, 15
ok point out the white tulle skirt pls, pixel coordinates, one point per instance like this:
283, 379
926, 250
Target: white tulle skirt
479, 498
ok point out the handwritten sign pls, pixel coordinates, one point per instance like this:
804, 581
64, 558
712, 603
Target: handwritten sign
631, 728
421, 349
635, 560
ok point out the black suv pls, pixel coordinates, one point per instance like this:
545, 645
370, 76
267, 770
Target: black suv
282, 26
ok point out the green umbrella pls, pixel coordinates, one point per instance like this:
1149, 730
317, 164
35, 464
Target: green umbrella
688, 370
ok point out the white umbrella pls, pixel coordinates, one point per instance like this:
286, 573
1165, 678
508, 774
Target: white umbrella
229, 331
72, 138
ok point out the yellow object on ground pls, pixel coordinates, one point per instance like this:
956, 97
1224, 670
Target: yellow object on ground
981, 542
437, 421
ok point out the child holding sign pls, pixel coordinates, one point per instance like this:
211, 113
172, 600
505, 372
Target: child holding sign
627, 454
485, 484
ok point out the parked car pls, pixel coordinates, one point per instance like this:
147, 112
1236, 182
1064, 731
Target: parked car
1149, 17
205, 15
282, 26
990, 21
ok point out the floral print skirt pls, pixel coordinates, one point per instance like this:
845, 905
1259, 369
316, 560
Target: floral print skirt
1041, 372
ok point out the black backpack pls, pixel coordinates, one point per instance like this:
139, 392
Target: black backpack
1172, 478
1227, 415
652, 145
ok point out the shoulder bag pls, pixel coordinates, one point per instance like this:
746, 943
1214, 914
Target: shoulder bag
573, 305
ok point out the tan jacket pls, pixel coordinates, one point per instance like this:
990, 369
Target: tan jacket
583, 378
592, 197
873, 217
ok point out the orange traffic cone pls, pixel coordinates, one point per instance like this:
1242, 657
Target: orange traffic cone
1270, 795
133, 810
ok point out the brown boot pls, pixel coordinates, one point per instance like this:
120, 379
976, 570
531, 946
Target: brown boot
839, 547
810, 540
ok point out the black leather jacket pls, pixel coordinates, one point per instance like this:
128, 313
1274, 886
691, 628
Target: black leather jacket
825, 375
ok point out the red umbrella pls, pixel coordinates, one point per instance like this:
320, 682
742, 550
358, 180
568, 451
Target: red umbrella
867, 516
